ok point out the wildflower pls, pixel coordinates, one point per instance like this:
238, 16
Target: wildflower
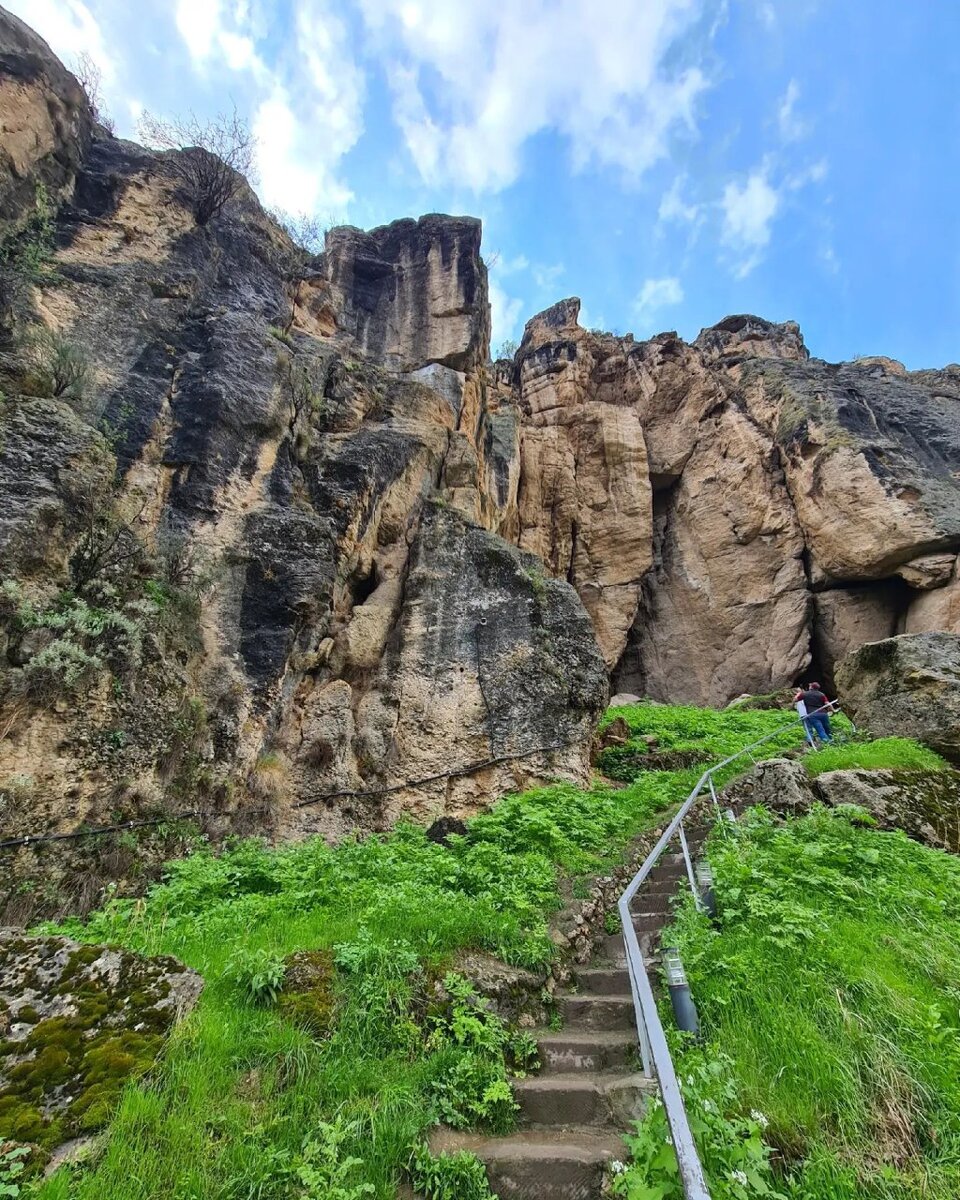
739, 1177
760, 1119
617, 1167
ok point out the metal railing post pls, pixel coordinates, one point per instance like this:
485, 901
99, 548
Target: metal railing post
686, 858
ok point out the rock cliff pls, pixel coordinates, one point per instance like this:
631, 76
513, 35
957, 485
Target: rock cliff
281, 547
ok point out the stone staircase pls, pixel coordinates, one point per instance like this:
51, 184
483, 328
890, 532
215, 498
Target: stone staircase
574, 1112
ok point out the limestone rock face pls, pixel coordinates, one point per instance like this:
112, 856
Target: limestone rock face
413, 292
726, 609
846, 618
489, 679
77, 1022
868, 450
907, 686
584, 494
45, 120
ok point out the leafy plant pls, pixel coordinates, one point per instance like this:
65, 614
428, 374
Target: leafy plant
258, 974
12, 1167
325, 1170
448, 1176
736, 1160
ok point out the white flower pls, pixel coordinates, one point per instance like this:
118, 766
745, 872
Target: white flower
739, 1177
617, 1167
760, 1119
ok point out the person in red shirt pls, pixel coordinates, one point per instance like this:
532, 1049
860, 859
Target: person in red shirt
817, 720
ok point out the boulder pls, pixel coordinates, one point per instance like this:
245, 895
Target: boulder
924, 804
78, 1022
780, 784
907, 686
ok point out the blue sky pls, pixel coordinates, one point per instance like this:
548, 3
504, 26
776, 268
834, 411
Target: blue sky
668, 161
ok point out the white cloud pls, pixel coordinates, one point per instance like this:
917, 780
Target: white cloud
505, 313
199, 23
547, 277
748, 213
655, 295
70, 28
672, 205
815, 173
290, 175
792, 128
472, 83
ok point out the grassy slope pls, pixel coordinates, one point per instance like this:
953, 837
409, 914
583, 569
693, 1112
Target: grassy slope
833, 983
892, 753
242, 1087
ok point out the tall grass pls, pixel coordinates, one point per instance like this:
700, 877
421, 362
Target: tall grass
832, 982
891, 753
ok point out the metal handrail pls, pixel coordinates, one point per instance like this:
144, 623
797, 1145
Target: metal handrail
653, 1043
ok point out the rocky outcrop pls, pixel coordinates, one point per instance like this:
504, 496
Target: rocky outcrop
45, 120
484, 679
796, 508
584, 485
907, 686
412, 293
923, 804
229, 591
247, 549
77, 1022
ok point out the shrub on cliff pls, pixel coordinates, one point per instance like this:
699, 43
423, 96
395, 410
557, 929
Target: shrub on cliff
211, 158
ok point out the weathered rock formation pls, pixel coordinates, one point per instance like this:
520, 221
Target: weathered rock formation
250, 558
907, 686
923, 804
76, 1023
280, 547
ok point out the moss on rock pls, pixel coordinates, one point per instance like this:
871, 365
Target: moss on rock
79, 1021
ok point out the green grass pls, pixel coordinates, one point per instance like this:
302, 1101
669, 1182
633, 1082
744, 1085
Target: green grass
233, 1110
832, 982
891, 753
706, 734
242, 1088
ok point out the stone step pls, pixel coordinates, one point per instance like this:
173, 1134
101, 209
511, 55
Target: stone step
613, 952
582, 1098
540, 1164
586, 1050
654, 902
597, 1012
603, 980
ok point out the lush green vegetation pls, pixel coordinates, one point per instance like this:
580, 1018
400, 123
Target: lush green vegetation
385, 1042
892, 753
384, 1039
671, 734
829, 993
334, 1027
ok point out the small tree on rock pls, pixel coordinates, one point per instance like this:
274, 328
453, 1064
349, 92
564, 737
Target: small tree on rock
90, 78
213, 157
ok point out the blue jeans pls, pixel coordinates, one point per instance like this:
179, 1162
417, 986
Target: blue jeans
819, 723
